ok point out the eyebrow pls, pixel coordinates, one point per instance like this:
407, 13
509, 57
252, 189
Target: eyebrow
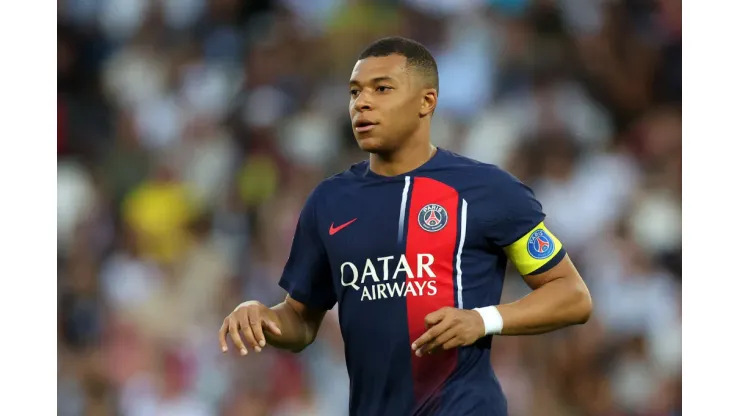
373, 81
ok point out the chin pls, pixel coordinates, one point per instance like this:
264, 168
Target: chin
372, 144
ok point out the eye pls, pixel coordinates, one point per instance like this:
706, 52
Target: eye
354, 92
384, 88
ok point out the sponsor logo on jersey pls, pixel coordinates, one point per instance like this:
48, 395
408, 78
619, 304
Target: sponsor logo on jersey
390, 277
333, 230
432, 218
540, 245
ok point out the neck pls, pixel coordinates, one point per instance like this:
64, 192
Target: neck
402, 160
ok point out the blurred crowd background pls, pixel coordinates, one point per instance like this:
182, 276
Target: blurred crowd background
191, 131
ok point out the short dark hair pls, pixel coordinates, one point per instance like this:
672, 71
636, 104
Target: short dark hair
417, 56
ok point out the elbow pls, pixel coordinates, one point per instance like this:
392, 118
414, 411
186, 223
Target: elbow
310, 338
583, 305
299, 348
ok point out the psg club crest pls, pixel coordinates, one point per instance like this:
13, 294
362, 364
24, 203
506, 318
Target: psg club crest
540, 245
432, 218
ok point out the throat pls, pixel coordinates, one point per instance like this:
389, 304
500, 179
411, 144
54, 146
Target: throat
402, 161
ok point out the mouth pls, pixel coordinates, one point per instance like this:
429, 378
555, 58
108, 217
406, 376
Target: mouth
362, 126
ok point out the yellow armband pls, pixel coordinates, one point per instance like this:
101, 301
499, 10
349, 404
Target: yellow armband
534, 250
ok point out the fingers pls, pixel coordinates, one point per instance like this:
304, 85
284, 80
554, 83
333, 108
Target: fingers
249, 335
222, 335
235, 338
249, 319
454, 342
435, 317
272, 327
442, 339
255, 325
431, 334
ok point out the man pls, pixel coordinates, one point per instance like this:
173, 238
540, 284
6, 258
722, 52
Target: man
413, 245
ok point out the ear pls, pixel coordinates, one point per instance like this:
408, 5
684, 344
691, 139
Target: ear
428, 102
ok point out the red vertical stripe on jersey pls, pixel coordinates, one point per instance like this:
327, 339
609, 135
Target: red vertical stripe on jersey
430, 371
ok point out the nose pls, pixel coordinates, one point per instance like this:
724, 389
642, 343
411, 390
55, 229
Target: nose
362, 102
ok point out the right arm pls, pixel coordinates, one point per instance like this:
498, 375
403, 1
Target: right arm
289, 325
299, 325
294, 323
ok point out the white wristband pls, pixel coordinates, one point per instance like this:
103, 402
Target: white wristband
492, 320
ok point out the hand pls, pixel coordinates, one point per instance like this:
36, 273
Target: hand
250, 318
449, 328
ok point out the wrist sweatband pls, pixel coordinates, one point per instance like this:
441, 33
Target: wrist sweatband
492, 320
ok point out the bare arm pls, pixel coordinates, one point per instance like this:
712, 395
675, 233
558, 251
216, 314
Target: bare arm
298, 323
559, 298
290, 325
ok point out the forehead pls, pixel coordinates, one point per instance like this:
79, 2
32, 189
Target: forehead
391, 66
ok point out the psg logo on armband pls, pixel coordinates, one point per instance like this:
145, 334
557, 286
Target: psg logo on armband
540, 245
432, 218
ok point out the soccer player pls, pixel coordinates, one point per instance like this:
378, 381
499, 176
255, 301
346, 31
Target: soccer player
412, 245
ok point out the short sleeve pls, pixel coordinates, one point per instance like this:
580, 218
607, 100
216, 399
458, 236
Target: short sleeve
307, 274
517, 226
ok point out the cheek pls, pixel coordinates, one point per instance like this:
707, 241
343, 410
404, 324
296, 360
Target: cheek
400, 108
412, 106
406, 113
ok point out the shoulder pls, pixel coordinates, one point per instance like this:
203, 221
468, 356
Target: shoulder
493, 194
338, 184
489, 177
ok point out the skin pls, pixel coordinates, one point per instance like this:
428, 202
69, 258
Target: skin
289, 325
386, 91
400, 101
559, 298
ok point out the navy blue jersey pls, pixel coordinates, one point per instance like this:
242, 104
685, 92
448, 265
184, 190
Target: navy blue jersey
391, 250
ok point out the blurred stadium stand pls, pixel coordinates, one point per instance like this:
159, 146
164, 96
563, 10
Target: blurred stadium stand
190, 132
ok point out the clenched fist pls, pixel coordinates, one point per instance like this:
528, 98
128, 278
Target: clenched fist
252, 319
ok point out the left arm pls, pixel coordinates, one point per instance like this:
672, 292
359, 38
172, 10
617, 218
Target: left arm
559, 298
